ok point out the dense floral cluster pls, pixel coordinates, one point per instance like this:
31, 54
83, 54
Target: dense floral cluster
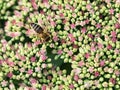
83, 52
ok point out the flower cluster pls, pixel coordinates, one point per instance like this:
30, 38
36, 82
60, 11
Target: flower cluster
83, 52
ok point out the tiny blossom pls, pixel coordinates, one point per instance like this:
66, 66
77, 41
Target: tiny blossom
10, 74
91, 69
113, 33
4, 83
72, 25
81, 63
13, 34
37, 69
43, 57
82, 23
33, 81
87, 84
71, 86
61, 87
34, 4
61, 15
77, 71
55, 38
53, 23
12, 86
114, 39
93, 48
87, 21
37, 42
29, 71
87, 55
43, 65
83, 30
33, 59
100, 45
59, 52
90, 35
44, 87
67, 6
116, 51
88, 6
109, 47
22, 69
102, 63
98, 25
96, 73
70, 53
111, 11
117, 25
76, 77
112, 80
117, 72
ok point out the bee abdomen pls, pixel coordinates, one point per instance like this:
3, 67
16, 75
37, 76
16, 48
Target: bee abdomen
36, 27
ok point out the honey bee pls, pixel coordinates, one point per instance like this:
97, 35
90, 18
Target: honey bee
41, 32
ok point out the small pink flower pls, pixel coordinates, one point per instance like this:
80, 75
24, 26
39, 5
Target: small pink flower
10, 74
61, 15
60, 6
93, 48
19, 24
45, 1
102, 63
112, 80
70, 53
13, 22
71, 86
30, 72
72, 39
59, 52
43, 65
90, 36
63, 41
72, 8
114, 39
76, 77
88, 6
100, 45
13, 34
111, 11
54, 7
83, 30
113, 33
43, 57
37, 42
67, 6
33, 81
72, 25
22, 58
11, 86
53, 23
37, 69
1, 61
82, 23
98, 25
87, 21
33, 59
109, 47
18, 14
11, 63
77, 71
49, 77
44, 87
81, 63
64, 21
55, 38
116, 51
22, 70
117, 72
74, 15
75, 46
117, 25
96, 73
4, 83
66, 27
34, 4
87, 55
91, 69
